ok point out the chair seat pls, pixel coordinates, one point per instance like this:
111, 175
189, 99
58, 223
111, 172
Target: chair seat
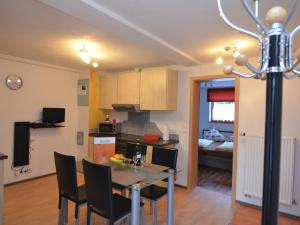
81, 195
122, 207
153, 192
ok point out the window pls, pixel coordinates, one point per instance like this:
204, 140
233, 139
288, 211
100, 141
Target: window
221, 112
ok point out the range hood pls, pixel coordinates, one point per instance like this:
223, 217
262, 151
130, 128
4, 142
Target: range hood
127, 107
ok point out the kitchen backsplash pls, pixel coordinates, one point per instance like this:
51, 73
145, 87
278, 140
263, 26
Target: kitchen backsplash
139, 124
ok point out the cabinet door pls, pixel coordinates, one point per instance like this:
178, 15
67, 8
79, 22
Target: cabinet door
158, 89
146, 96
108, 91
129, 88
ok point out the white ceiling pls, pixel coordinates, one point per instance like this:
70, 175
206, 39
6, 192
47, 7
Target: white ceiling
125, 34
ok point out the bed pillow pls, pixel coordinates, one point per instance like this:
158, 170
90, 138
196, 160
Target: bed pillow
214, 135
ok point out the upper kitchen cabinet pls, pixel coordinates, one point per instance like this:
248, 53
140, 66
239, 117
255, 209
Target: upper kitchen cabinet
108, 91
128, 88
158, 89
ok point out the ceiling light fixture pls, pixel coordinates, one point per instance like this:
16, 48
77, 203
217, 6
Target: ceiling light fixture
95, 64
219, 60
236, 53
84, 55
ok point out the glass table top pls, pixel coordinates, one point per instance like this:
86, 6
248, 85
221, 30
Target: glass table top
127, 175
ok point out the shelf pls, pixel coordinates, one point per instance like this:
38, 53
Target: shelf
44, 125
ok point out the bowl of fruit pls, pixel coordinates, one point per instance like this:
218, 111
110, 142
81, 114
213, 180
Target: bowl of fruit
117, 158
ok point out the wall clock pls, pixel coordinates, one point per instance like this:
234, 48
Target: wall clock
13, 82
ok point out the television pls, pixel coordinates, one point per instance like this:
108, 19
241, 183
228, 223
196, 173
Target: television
53, 115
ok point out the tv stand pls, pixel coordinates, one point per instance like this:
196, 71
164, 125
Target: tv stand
44, 125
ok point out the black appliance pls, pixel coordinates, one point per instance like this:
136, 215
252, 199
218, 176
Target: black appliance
109, 128
53, 115
21, 144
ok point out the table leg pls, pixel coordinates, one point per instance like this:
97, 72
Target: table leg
135, 204
171, 198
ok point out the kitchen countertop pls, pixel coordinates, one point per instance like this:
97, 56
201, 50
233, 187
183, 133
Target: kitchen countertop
136, 139
2, 156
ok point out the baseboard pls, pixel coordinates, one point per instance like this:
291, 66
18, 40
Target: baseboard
30, 179
259, 207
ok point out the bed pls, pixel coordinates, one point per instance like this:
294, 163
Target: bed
216, 154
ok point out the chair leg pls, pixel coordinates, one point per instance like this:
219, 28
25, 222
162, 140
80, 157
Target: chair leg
151, 208
77, 214
60, 214
66, 210
63, 211
142, 215
155, 213
89, 216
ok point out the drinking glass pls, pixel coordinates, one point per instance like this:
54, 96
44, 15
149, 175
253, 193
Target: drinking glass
143, 160
135, 160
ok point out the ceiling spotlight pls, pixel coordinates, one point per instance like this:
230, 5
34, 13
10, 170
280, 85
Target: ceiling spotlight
219, 60
236, 53
95, 64
84, 55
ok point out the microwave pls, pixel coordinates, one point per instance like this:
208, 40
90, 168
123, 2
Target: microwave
109, 128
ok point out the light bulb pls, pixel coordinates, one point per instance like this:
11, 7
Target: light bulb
95, 64
85, 56
219, 60
236, 53
276, 14
241, 60
228, 70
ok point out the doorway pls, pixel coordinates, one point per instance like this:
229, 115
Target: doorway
197, 132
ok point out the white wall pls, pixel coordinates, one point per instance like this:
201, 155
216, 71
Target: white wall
44, 85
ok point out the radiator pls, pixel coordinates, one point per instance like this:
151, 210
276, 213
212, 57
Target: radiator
254, 163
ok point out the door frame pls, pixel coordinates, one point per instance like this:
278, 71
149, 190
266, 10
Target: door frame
194, 129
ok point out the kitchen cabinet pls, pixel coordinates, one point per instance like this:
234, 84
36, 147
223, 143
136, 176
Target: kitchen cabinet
158, 89
128, 91
108, 91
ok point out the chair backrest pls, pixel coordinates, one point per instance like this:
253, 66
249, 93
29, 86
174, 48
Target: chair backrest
98, 185
66, 174
133, 148
165, 157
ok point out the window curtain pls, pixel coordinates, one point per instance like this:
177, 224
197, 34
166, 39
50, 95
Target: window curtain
220, 95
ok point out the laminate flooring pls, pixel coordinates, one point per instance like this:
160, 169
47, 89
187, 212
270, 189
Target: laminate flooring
215, 179
35, 203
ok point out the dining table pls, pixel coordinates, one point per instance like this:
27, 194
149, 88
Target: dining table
137, 177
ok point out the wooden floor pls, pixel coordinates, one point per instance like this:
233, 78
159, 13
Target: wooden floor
215, 179
245, 215
35, 203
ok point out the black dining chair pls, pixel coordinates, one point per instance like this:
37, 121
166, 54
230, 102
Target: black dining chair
100, 198
67, 183
164, 157
133, 148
